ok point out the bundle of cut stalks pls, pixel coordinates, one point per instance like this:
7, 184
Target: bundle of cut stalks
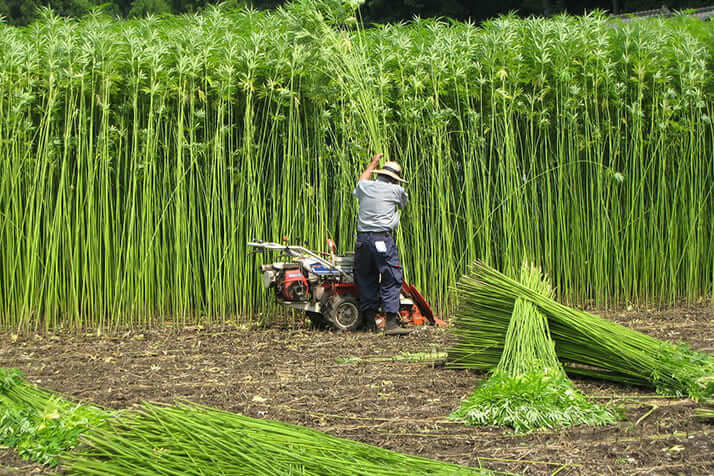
529, 388
183, 439
587, 345
192, 439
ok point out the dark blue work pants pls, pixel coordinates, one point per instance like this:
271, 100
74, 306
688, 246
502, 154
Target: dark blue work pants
378, 274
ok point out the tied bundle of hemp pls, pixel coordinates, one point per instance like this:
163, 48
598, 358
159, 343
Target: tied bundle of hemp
529, 388
40, 425
193, 439
587, 345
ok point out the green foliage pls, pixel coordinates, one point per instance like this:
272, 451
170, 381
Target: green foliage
530, 401
9, 378
43, 436
39, 425
692, 374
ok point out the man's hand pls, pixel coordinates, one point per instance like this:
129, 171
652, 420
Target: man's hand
372, 165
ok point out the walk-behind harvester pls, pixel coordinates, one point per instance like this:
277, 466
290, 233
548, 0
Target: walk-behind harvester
322, 285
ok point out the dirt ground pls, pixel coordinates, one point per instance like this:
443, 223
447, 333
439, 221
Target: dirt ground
293, 375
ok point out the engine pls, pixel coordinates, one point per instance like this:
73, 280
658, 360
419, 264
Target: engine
292, 285
287, 280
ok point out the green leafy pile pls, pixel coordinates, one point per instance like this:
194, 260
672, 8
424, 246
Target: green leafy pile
192, 439
38, 424
587, 345
529, 388
530, 401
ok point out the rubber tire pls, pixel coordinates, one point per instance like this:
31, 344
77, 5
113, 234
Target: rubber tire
317, 320
336, 305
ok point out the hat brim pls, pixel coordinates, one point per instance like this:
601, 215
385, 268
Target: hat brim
390, 174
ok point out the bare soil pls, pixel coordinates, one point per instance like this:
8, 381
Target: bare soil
292, 375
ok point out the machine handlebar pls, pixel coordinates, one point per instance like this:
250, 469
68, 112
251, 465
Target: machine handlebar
294, 251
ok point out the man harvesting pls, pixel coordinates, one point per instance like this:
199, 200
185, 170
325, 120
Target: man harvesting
378, 271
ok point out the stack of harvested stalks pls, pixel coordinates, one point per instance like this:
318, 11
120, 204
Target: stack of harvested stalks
193, 439
586, 344
182, 439
529, 388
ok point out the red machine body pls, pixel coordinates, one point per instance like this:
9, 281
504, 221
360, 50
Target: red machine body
322, 285
294, 286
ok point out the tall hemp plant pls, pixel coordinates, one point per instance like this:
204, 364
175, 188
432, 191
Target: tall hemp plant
138, 157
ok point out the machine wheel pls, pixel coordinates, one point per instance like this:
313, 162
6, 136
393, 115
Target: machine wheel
343, 312
317, 320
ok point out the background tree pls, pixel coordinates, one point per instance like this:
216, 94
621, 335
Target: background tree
22, 12
18, 12
141, 8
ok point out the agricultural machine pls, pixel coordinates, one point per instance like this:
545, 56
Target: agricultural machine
322, 285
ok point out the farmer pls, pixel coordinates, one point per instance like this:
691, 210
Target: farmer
378, 271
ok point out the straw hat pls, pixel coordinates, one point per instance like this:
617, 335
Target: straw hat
393, 170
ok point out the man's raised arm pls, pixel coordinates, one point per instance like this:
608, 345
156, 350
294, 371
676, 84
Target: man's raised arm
370, 168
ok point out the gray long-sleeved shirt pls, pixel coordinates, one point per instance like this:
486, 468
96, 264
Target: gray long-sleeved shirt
378, 205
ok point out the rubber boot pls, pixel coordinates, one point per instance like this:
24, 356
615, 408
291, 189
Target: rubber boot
370, 321
392, 326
